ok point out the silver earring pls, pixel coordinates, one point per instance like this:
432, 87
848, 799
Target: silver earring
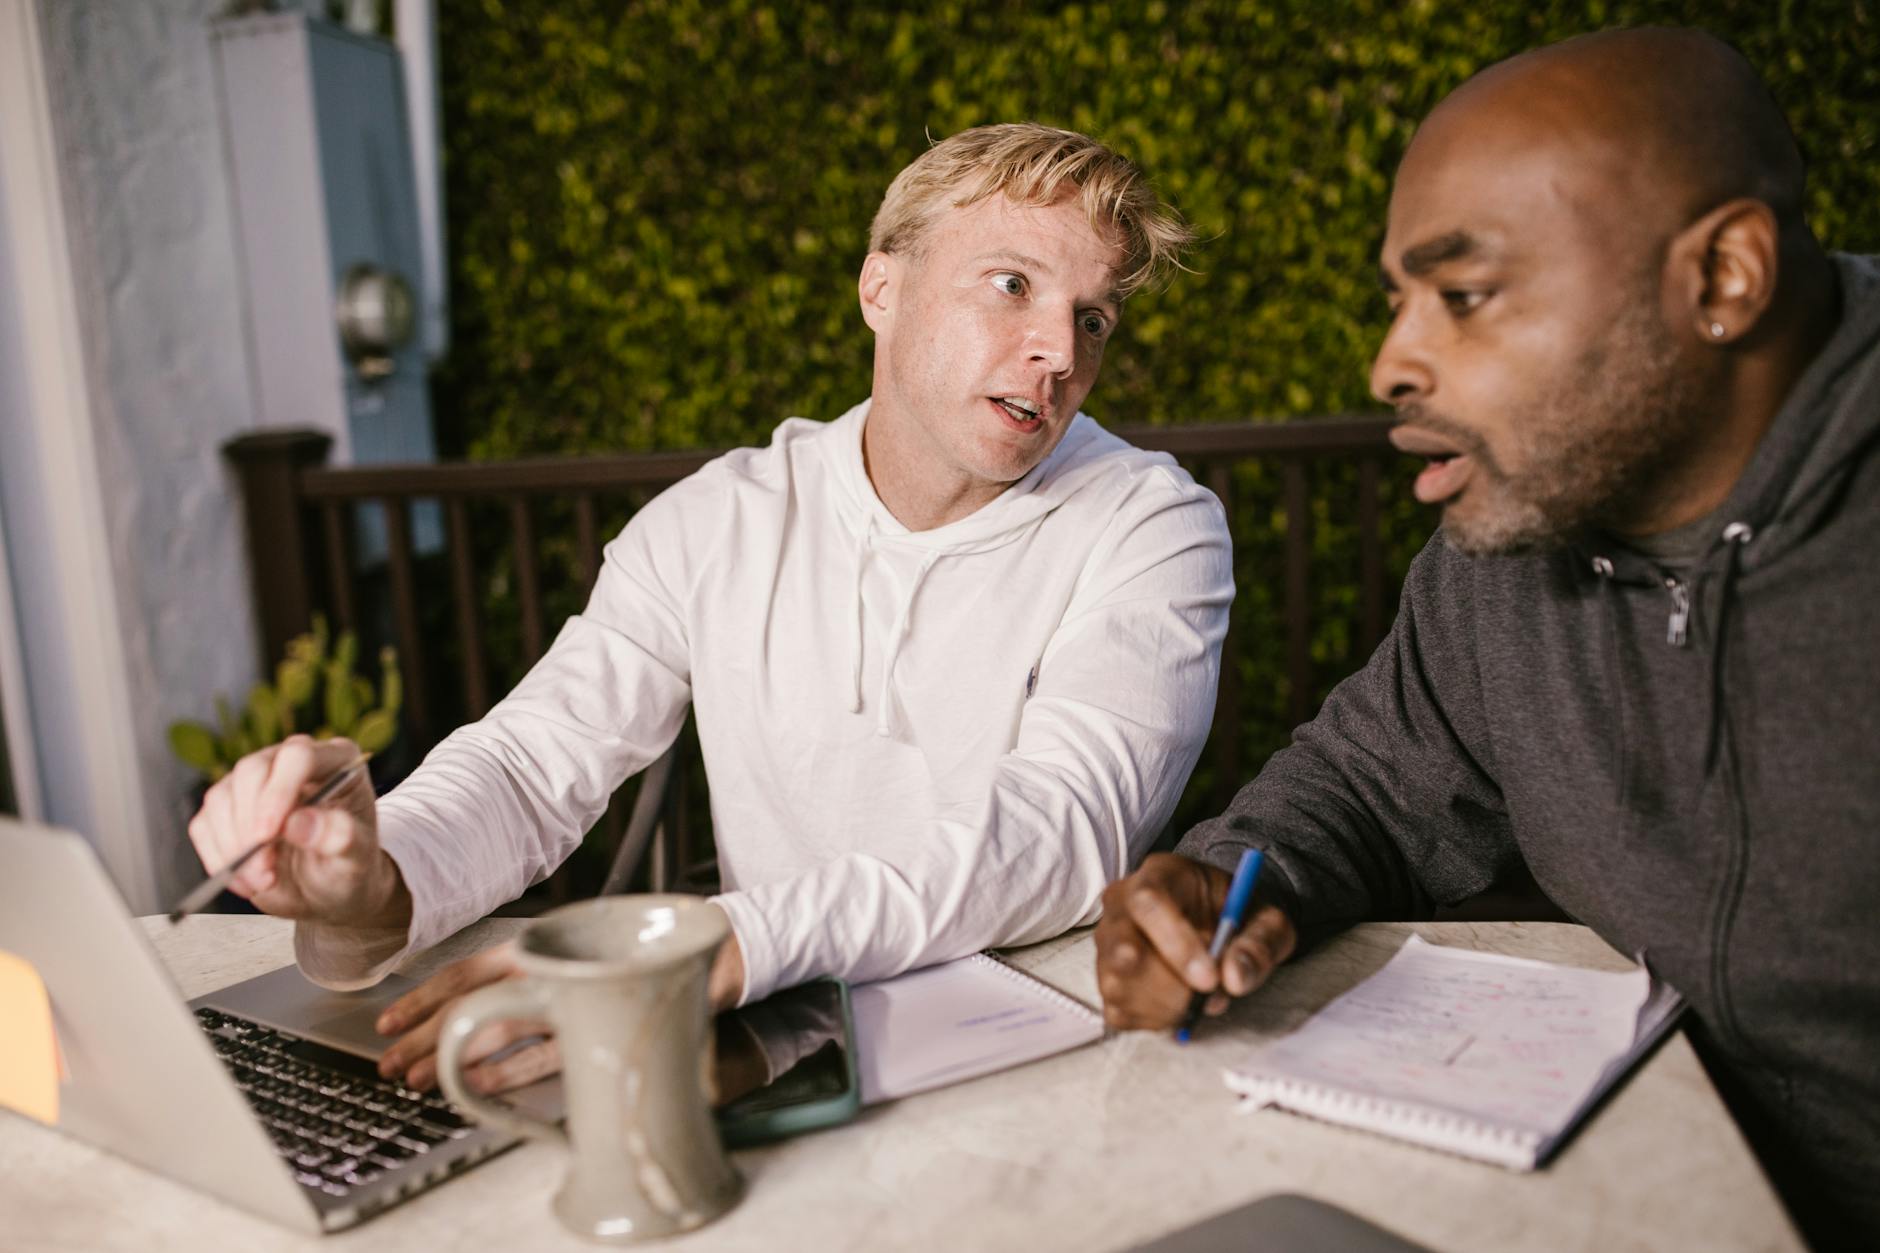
1716, 330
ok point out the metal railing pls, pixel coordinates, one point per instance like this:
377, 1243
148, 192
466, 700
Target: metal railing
441, 609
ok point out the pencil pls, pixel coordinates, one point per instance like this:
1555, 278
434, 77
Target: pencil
211, 887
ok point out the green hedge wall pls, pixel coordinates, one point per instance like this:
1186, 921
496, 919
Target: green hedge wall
658, 209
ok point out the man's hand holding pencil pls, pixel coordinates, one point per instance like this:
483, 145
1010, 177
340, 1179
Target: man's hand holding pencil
321, 861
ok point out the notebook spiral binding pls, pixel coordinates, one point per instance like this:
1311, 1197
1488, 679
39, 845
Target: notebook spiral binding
1043, 990
1453, 1133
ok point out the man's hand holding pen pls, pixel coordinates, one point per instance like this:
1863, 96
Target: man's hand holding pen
1152, 944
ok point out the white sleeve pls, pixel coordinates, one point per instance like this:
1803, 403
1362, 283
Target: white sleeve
501, 802
1123, 704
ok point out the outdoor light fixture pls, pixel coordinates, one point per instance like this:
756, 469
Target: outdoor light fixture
376, 318
330, 240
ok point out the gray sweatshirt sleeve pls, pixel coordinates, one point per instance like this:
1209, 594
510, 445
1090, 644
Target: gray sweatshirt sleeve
1386, 803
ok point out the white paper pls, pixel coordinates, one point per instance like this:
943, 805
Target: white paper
1501, 1041
956, 1021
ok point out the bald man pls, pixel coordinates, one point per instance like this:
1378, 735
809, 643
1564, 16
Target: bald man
1641, 654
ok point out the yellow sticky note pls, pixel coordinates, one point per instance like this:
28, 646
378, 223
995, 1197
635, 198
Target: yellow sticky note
30, 1065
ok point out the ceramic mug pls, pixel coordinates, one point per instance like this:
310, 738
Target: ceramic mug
622, 980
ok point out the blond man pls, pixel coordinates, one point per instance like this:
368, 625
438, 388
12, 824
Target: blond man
952, 655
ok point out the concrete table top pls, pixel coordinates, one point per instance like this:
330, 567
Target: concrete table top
1096, 1149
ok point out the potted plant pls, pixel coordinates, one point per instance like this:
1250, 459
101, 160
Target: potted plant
312, 692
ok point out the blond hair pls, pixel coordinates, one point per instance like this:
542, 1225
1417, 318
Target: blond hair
1036, 165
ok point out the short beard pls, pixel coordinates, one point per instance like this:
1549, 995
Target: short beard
1596, 441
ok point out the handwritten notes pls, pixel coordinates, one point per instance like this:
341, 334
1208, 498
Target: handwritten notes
1450, 1040
956, 1021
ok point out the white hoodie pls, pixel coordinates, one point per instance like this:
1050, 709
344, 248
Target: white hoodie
919, 744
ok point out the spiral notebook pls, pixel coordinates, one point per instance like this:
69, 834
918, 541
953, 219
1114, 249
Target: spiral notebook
1496, 1058
959, 1020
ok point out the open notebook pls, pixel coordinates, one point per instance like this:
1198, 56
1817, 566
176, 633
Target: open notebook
1497, 1058
959, 1020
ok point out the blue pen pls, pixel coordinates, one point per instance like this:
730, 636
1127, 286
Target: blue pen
1239, 892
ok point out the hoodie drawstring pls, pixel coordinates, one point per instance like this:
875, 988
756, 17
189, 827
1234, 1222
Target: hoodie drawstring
883, 723
864, 545
1737, 535
863, 541
1609, 646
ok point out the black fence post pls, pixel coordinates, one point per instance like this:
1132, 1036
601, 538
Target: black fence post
281, 556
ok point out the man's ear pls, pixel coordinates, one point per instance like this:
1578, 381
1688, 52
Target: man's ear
1723, 269
877, 286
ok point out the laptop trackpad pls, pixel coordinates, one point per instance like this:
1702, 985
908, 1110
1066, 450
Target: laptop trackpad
288, 1001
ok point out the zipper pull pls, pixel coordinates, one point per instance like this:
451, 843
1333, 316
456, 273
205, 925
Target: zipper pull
1677, 629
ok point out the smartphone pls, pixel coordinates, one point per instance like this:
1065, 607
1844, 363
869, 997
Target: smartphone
786, 1064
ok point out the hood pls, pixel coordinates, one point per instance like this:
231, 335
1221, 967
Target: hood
1073, 465
1832, 413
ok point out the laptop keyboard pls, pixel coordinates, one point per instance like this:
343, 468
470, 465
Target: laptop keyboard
333, 1119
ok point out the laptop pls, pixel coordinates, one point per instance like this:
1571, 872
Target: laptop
1282, 1223
264, 1094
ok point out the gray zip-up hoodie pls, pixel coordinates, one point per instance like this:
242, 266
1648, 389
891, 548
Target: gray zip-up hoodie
1698, 785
